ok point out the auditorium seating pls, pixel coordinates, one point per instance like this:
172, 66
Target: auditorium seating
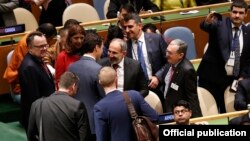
185, 34
82, 12
229, 100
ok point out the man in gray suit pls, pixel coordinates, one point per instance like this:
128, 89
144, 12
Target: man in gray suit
62, 117
90, 92
129, 72
7, 17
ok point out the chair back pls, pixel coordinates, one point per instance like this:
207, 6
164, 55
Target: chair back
105, 8
82, 12
207, 102
154, 101
24, 16
9, 56
229, 98
185, 34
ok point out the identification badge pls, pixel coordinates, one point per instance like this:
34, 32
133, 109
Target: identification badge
174, 86
231, 59
234, 86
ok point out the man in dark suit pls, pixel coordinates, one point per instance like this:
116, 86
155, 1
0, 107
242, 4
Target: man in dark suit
7, 17
178, 79
63, 118
152, 46
129, 72
141, 6
216, 70
90, 92
35, 78
242, 96
112, 118
241, 120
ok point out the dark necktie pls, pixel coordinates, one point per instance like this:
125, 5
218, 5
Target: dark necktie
170, 78
47, 70
141, 59
116, 66
236, 49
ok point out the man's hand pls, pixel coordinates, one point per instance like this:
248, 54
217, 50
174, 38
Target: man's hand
153, 83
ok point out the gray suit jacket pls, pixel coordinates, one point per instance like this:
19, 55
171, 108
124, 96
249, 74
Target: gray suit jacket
6, 10
90, 91
133, 75
64, 118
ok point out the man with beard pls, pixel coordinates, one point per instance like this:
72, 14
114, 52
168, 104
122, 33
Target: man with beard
129, 72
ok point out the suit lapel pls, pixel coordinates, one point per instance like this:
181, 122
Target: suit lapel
226, 39
129, 49
126, 72
148, 43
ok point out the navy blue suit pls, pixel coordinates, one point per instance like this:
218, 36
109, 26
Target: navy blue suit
211, 71
112, 118
35, 83
240, 120
242, 96
89, 92
156, 48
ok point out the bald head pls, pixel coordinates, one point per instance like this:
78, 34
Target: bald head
107, 77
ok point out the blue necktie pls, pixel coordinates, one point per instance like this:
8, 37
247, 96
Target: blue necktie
141, 59
236, 49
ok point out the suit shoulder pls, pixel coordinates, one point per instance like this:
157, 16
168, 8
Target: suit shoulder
187, 65
103, 61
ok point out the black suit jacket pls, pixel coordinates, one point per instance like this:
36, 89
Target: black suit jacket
115, 5
64, 119
242, 96
212, 66
186, 79
134, 78
240, 120
34, 82
156, 49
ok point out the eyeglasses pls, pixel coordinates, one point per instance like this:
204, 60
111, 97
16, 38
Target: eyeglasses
177, 112
42, 46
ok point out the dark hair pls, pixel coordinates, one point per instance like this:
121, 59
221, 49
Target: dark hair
183, 103
90, 42
149, 26
31, 37
114, 31
47, 29
128, 7
240, 4
73, 30
133, 16
67, 79
70, 22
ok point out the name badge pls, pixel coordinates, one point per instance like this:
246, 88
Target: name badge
174, 86
231, 59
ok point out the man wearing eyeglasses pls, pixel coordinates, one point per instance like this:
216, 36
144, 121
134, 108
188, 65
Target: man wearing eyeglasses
35, 78
182, 112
